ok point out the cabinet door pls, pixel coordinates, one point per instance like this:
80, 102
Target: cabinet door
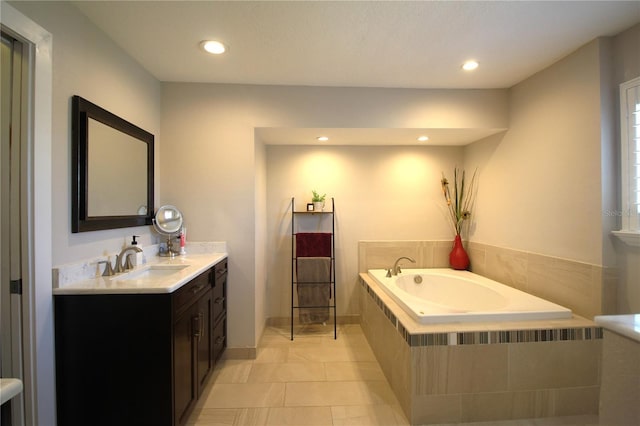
219, 338
183, 368
114, 360
219, 297
203, 342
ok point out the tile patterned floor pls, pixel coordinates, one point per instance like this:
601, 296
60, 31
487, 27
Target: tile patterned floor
313, 380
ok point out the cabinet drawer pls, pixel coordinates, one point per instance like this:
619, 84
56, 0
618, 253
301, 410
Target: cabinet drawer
219, 339
220, 269
191, 291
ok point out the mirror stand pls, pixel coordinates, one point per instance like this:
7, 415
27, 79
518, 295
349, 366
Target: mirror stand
170, 251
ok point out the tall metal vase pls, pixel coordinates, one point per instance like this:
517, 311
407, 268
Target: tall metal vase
458, 258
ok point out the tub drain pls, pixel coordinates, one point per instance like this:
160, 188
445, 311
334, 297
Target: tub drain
417, 279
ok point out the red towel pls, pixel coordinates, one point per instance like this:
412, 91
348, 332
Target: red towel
313, 244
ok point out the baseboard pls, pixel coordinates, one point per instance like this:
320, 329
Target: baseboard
240, 353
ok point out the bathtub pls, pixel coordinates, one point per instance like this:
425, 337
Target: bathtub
435, 296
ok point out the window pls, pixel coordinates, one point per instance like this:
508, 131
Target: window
630, 160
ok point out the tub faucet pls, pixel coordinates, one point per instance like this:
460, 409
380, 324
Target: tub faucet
119, 260
396, 267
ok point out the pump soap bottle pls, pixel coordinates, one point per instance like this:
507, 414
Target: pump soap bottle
138, 259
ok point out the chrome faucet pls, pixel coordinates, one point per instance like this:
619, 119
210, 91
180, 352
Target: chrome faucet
396, 267
119, 260
108, 270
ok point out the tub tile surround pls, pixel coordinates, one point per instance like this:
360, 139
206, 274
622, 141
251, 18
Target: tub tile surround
89, 268
588, 290
473, 372
441, 381
382, 254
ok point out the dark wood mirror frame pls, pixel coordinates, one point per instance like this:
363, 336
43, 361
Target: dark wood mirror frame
81, 111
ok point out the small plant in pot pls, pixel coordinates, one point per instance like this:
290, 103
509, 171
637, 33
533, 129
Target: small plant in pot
318, 201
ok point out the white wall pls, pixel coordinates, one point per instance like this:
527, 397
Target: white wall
87, 63
208, 141
381, 193
540, 183
262, 248
550, 183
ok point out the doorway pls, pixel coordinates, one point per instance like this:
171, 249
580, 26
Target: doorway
12, 186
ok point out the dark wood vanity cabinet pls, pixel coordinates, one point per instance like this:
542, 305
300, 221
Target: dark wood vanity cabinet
138, 359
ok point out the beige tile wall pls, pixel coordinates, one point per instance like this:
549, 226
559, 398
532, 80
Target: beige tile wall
586, 289
620, 392
392, 352
459, 369
505, 381
382, 254
529, 404
544, 365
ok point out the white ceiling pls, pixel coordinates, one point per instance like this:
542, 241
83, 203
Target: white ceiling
403, 44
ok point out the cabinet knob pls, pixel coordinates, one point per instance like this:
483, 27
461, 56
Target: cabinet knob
219, 300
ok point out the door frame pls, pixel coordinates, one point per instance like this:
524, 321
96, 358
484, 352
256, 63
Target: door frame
37, 295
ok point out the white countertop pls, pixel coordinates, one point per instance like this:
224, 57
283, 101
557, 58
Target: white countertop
9, 388
195, 264
627, 325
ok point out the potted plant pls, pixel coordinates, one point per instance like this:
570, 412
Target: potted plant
459, 209
318, 201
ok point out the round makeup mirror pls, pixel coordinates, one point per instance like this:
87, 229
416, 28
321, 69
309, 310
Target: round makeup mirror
168, 221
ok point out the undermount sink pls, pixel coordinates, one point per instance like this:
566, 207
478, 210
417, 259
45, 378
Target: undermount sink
151, 272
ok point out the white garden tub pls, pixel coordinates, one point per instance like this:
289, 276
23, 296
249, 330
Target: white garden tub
433, 296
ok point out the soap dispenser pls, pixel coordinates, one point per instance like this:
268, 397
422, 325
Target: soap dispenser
138, 259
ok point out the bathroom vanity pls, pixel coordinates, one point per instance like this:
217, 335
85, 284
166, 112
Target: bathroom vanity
138, 350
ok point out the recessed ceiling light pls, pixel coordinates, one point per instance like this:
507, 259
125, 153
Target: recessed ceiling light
323, 138
470, 65
423, 138
213, 46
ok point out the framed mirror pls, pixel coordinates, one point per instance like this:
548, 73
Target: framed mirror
112, 176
